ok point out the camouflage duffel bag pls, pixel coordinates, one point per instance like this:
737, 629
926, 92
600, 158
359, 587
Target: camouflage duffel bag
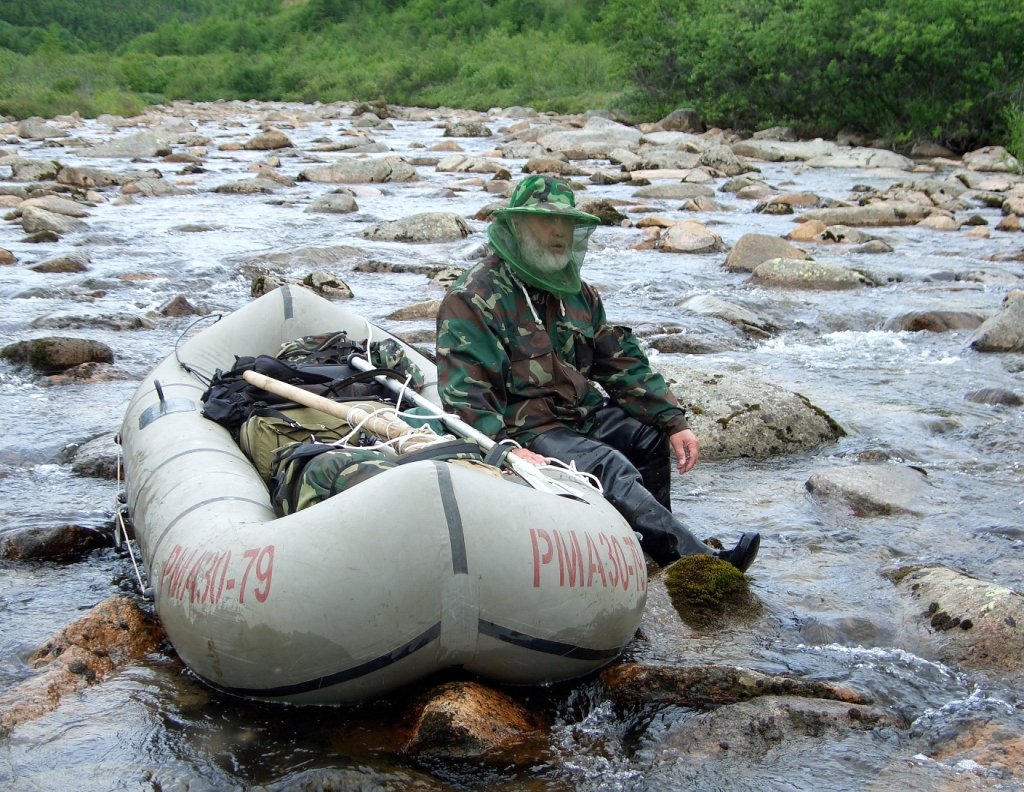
307, 473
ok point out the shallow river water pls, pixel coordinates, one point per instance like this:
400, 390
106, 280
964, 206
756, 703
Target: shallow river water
829, 613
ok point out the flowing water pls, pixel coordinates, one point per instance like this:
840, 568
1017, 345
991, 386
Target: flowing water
828, 611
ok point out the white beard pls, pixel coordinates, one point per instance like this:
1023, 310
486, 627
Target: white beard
539, 258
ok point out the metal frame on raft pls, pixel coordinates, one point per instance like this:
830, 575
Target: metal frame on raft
420, 568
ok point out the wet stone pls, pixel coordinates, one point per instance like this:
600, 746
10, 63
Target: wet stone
35, 219
751, 730
327, 285
464, 719
964, 620
690, 236
804, 274
999, 396
752, 250
934, 321
1003, 332
41, 542
871, 490
737, 415
631, 684
333, 203
6, 257
269, 141
57, 354
603, 209
96, 458
177, 306
422, 310
73, 262
425, 227
115, 632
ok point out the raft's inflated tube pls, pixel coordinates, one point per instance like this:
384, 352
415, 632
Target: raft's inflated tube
426, 566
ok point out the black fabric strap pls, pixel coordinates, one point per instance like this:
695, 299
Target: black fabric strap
496, 456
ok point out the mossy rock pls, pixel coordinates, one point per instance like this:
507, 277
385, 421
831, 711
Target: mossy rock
706, 591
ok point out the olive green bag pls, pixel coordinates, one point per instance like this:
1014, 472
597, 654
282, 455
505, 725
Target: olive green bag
269, 429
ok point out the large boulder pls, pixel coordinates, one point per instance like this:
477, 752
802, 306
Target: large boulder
34, 220
418, 228
992, 159
633, 684
725, 161
36, 129
467, 129
333, 203
740, 416
861, 158
72, 262
140, 145
460, 163
152, 187
684, 119
967, 621
56, 353
88, 177
780, 151
57, 205
678, 191
356, 171
1003, 332
46, 542
752, 731
752, 250
259, 185
34, 170
690, 236
876, 214
465, 719
427, 309
804, 274
269, 141
597, 139
871, 490
115, 632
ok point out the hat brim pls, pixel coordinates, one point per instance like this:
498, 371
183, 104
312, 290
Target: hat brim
548, 209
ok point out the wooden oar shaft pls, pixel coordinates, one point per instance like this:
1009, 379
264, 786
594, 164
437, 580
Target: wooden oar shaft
385, 427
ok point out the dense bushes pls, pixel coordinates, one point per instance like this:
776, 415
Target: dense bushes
944, 69
949, 70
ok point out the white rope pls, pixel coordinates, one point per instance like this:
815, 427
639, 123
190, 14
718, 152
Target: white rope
401, 393
526, 294
587, 479
124, 529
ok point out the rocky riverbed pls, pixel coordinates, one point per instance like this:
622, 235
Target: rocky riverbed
844, 323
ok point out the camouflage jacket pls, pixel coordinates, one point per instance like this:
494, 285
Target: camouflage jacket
508, 376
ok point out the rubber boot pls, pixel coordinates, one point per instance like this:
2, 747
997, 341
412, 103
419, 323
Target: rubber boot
664, 538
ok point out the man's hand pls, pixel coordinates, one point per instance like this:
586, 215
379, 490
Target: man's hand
686, 447
534, 459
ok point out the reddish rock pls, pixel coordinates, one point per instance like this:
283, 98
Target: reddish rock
464, 719
629, 684
178, 306
115, 632
6, 257
806, 232
269, 141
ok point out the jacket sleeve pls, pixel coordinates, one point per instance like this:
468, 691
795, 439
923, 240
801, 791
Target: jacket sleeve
622, 369
471, 364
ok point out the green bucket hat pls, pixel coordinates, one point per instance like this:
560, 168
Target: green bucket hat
549, 196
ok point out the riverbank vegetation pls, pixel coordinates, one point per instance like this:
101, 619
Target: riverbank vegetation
951, 71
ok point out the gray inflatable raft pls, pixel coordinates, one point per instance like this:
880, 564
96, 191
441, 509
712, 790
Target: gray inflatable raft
426, 566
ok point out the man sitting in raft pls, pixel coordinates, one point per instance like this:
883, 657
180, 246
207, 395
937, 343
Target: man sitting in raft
521, 340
